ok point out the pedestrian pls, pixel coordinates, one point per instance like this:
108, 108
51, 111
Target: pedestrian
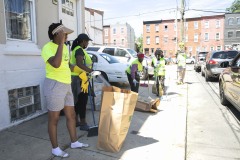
159, 63
82, 59
134, 72
181, 66
57, 87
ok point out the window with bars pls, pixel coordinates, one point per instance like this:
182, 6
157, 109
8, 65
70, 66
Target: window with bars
19, 19
24, 102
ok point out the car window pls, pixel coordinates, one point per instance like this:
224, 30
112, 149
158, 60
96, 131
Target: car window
225, 55
109, 51
132, 52
94, 58
121, 53
109, 58
93, 49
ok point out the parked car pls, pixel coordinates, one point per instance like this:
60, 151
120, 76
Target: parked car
190, 60
229, 83
212, 68
125, 55
110, 67
199, 60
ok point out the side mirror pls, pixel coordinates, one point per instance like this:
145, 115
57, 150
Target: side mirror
224, 64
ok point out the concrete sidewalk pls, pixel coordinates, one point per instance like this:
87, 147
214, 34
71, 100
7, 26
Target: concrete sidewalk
152, 136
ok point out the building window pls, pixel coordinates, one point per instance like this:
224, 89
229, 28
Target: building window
165, 28
238, 21
186, 38
165, 39
106, 32
230, 34
217, 24
217, 36
148, 28
219, 48
156, 27
19, 19
230, 21
195, 37
206, 36
114, 31
114, 42
238, 34
211, 48
157, 39
195, 25
122, 30
206, 24
148, 40
24, 102
123, 42
67, 7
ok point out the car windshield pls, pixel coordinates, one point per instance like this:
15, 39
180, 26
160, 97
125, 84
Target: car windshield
109, 58
93, 48
132, 52
224, 55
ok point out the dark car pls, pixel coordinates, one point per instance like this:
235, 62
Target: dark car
199, 59
229, 83
212, 65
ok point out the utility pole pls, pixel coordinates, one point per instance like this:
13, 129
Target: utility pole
182, 11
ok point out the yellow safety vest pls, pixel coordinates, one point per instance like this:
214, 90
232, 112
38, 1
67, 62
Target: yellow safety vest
87, 59
159, 69
140, 66
181, 59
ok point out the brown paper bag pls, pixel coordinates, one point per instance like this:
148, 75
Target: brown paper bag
115, 117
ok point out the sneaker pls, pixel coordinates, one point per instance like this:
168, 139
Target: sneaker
84, 127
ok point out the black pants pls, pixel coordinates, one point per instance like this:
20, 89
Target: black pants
160, 81
133, 87
81, 105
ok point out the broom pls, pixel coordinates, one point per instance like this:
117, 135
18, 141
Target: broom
144, 84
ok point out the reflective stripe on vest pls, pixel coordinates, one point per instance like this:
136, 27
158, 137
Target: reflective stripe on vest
140, 67
87, 59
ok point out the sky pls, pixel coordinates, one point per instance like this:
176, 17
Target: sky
134, 12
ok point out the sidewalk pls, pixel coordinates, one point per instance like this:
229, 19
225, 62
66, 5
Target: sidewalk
152, 136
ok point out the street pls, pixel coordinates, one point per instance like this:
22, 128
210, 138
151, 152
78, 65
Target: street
190, 124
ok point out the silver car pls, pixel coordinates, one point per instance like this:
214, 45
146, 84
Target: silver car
212, 66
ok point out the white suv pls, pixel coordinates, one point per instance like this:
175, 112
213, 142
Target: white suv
125, 55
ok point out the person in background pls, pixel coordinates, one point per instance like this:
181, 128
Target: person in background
181, 65
57, 86
159, 63
82, 59
134, 72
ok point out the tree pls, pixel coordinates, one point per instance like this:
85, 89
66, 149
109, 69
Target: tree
235, 7
139, 43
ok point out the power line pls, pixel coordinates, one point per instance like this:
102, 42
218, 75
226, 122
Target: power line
201, 10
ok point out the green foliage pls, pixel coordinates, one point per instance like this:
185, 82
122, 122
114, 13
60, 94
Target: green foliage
140, 44
235, 7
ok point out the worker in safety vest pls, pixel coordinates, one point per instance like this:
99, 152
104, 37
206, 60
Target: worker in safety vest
181, 66
158, 62
134, 72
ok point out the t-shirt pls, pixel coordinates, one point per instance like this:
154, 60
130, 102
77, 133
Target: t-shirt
79, 52
61, 74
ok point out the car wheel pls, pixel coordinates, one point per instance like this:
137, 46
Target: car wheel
192, 62
223, 99
144, 75
206, 77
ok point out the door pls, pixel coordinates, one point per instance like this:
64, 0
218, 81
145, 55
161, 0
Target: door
122, 55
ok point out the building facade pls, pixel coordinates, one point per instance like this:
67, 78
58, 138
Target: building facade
94, 25
200, 34
121, 35
23, 32
232, 31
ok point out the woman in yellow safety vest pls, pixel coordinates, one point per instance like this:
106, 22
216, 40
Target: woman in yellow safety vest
134, 71
158, 63
82, 59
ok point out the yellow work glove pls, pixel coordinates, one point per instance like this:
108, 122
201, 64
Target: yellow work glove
84, 85
78, 70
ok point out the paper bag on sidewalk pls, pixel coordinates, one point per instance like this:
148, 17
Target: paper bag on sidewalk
148, 105
115, 117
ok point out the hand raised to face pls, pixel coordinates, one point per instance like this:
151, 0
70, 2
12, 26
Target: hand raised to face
60, 37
